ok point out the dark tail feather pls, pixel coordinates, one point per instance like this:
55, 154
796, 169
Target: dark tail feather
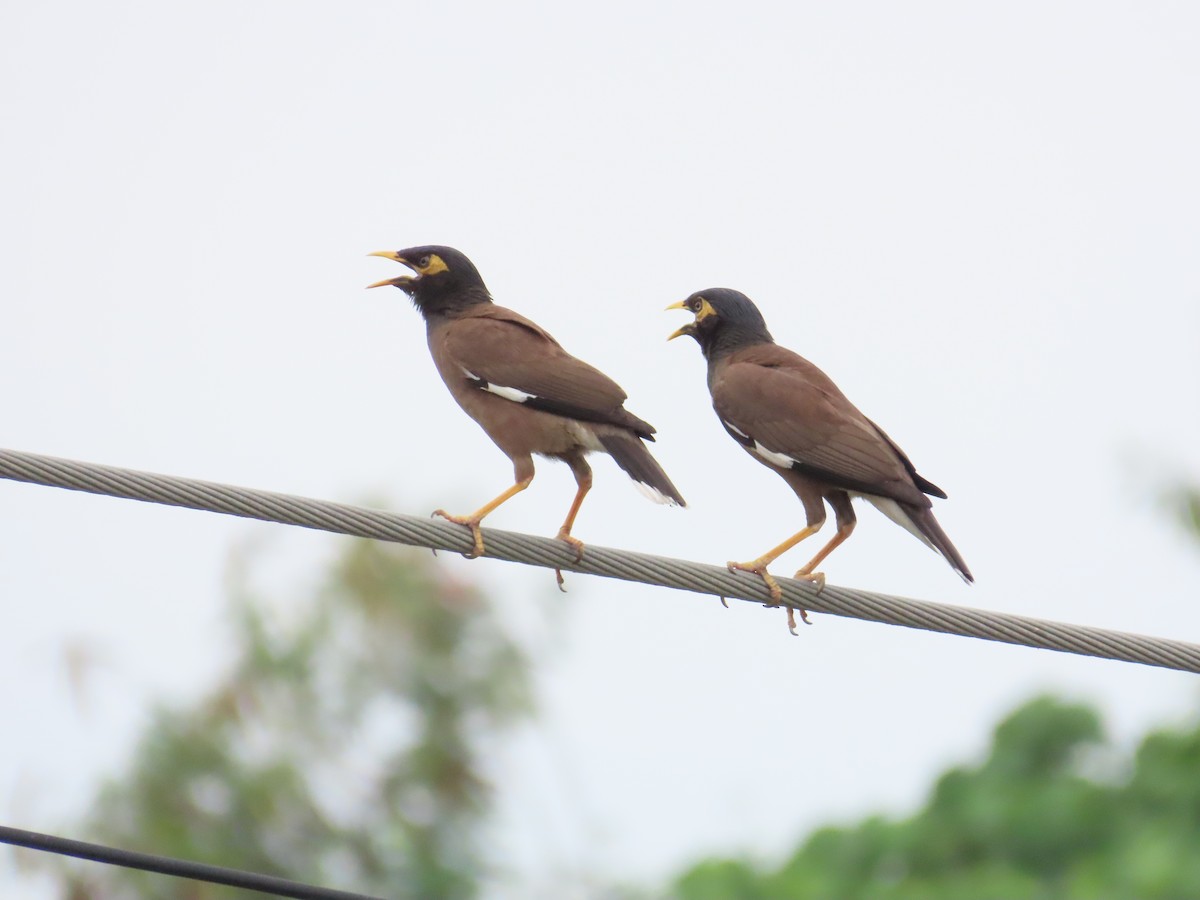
632, 456
928, 526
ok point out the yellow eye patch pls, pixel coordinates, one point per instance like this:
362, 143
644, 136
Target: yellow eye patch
705, 310
433, 266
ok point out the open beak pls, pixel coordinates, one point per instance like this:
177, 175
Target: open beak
689, 328
400, 280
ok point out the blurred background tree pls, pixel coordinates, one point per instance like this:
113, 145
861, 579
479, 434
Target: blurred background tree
1184, 501
1053, 812
344, 746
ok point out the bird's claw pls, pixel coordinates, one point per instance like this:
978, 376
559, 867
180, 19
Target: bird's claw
791, 614
573, 542
816, 578
791, 617
757, 568
471, 523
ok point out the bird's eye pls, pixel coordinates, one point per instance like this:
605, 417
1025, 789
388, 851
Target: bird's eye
694, 305
423, 262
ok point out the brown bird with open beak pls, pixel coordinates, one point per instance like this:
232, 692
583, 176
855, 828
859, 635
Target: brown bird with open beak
788, 415
523, 389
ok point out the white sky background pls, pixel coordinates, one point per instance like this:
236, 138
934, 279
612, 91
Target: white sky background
982, 222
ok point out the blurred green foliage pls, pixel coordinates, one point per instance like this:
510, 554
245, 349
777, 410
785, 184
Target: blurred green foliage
343, 747
1035, 821
1184, 502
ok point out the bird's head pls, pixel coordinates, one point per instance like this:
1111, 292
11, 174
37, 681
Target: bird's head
725, 320
442, 278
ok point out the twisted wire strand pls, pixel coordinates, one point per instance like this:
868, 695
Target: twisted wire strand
341, 518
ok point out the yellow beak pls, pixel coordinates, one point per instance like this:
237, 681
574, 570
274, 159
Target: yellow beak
689, 328
686, 329
399, 279
393, 282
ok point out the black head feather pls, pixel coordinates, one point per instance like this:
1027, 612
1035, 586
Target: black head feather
725, 321
443, 279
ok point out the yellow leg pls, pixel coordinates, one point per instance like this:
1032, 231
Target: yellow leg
583, 477
817, 577
759, 566
472, 521
564, 533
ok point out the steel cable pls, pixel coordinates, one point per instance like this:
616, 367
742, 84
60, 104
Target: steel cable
627, 565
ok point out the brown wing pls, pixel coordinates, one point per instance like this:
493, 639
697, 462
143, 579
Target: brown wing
789, 413
505, 353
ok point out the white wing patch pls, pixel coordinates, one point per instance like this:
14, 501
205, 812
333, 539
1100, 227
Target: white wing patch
508, 393
779, 459
735, 430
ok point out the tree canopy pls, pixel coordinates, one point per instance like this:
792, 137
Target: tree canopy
1053, 812
343, 746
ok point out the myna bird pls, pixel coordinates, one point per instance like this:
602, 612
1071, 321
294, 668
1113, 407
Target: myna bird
788, 415
523, 389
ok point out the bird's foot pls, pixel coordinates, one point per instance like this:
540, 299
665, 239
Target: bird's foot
817, 578
575, 544
791, 616
759, 568
472, 523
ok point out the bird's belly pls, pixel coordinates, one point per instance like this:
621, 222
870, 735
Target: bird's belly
519, 430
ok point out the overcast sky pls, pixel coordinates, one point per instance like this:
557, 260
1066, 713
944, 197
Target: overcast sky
981, 220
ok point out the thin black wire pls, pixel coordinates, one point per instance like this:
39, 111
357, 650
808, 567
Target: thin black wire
178, 868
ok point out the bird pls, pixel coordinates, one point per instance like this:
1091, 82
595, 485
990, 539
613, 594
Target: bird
790, 416
517, 382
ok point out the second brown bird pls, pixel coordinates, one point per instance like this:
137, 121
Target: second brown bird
788, 415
